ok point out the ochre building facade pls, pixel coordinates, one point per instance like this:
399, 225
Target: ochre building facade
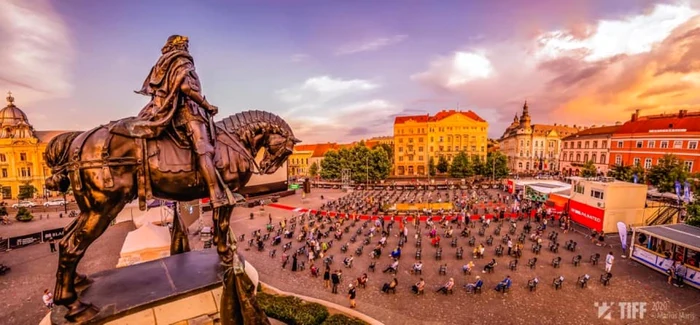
418, 138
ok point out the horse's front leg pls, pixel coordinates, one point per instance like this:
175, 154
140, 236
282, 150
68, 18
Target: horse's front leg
222, 218
179, 241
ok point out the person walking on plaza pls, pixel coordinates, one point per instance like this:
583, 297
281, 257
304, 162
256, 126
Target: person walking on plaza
609, 262
335, 281
48, 299
351, 296
52, 245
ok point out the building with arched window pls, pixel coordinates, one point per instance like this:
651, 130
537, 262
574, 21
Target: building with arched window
592, 144
21, 153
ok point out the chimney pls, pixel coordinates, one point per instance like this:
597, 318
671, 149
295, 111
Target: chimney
635, 116
682, 113
618, 123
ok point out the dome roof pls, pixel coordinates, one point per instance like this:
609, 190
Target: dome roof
11, 115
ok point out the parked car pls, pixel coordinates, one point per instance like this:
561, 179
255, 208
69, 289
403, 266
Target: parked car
55, 203
24, 204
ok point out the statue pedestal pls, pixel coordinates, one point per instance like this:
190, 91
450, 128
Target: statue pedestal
172, 290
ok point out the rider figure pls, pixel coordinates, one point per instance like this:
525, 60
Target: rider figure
177, 102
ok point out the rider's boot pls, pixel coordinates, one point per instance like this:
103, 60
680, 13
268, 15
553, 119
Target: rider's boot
207, 169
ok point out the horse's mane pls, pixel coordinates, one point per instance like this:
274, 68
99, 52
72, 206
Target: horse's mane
57, 152
241, 124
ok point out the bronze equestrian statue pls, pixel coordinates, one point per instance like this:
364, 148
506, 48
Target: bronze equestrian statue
174, 151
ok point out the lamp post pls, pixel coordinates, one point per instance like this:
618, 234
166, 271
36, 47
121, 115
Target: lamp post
367, 170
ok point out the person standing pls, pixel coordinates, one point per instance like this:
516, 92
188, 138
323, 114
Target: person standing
294, 262
52, 244
48, 299
335, 280
327, 277
352, 293
609, 262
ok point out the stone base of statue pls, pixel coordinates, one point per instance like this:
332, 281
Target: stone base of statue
179, 289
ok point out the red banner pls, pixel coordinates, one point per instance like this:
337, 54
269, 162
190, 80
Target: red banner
511, 186
586, 215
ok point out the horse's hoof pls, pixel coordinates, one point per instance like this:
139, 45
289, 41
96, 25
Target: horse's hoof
82, 282
79, 312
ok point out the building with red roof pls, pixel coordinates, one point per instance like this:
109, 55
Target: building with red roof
418, 138
644, 140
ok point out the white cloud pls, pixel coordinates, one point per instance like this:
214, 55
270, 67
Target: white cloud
633, 35
372, 45
37, 51
299, 57
319, 90
457, 69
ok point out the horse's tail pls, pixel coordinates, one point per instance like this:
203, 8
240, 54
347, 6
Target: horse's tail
56, 157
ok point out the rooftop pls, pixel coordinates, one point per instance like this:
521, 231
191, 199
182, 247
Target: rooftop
679, 233
441, 115
683, 121
594, 131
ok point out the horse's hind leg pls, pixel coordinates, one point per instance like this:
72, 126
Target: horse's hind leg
72, 249
222, 218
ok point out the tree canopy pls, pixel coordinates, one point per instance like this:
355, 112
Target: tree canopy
443, 166
363, 163
432, 170
496, 165
460, 166
313, 169
26, 191
589, 169
664, 175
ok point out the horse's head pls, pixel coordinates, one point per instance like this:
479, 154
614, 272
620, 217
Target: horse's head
277, 148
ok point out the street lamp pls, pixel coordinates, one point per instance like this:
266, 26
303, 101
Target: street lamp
367, 170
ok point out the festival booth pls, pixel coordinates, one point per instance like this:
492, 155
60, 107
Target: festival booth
657, 247
147, 243
600, 204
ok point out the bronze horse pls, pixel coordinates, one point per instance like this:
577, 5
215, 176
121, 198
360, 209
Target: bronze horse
105, 169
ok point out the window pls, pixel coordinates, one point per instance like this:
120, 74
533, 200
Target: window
578, 188
688, 164
651, 144
647, 163
602, 158
587, 144
618, 160
677, 144
441, 139
578, 157
620, 144
692, 145
593, 158
566, 145
22, 156
578, 144
456, 148
571, 156
400, 140
636, 161
3, 158
597, 194
585, 158
432, 139
595, 144
420, 158
400, 149
520, 165
640, 144
441, 148
473, 148
420, 140
4, 173
664, 145
604, 145
420, 149
400, 158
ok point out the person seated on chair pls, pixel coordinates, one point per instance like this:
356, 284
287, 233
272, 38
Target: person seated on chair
447, 287
348, 261
396, 253
417, 267
314, 270
382, 241
393, 267
362, 281
476, 284
505, 284
489, 266
377, 250
481, 250
449, 233
435, 241
467, 268
391, 285
418, 287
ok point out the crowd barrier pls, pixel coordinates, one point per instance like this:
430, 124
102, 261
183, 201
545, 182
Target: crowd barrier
30, 239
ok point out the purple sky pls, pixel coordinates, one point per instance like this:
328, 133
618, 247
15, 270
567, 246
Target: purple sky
341, 70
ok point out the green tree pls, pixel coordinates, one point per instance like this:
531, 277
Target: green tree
3, 209
442, 166
380, 164
589, 169
432, 170
460, 165
478, 166
388, 148
23, 214
496, 165
313, 169
330, 166
693, 217
26, 191
626, 173
664, 175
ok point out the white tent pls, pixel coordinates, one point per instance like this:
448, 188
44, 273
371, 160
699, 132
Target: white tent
147, 243
159, 216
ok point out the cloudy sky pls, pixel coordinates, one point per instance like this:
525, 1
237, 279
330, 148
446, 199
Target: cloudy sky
341, 70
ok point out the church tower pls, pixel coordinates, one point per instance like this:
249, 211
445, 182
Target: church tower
525, 118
